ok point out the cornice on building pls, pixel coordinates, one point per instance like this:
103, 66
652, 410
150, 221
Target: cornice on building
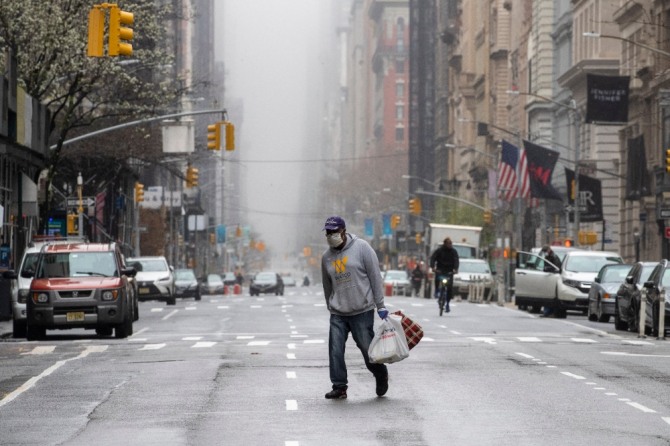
577, 73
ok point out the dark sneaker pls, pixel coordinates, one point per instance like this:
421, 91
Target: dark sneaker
337, 393
382, 385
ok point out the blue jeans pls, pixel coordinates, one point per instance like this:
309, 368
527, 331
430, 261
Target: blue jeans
361, 327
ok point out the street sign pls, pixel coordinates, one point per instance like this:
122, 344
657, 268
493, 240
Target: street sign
85, 201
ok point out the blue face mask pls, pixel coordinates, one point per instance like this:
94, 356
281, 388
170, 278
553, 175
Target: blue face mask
334, 240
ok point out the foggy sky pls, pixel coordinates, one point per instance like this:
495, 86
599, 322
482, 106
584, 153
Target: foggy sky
269, 48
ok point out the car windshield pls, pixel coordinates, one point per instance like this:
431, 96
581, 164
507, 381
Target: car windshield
396, 275
474, 267
615, 273
266, 277
184, 275
77, 264
230, 276
30, 262
214, 278
150, 265
588, 264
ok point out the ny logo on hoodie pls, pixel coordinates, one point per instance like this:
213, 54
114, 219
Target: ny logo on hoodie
340, 265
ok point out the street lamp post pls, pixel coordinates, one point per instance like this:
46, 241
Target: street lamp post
80, 209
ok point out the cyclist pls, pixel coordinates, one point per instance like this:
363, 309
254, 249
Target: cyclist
444, 261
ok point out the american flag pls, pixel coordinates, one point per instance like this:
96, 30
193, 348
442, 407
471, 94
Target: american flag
508, 184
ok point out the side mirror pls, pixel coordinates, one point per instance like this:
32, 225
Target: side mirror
597, 280
629, 280
28, 274
9, 274
648, 285
130, 272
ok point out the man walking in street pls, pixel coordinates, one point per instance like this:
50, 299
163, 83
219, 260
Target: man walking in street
352, 286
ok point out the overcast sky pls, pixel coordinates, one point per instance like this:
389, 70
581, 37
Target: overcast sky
269, 48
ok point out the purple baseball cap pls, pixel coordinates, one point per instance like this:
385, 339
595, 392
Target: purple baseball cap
333, 223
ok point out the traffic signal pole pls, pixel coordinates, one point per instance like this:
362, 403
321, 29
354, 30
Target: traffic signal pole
134, 123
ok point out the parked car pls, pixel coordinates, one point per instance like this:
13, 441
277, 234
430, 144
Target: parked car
81, 285
602, 295
289, 280
213, 284
627, 299
154, 278
229, 278
186, 284
20, 285
657, 291
539, 283
266, 282
399, 280
471, 271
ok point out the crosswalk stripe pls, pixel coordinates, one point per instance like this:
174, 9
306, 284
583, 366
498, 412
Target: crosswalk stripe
203, 344
41, 350
153, 346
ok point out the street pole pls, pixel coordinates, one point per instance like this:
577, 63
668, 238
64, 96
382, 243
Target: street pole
80, 209
577, 201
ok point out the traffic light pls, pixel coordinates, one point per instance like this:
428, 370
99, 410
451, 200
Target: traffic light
214, 136
395, 221
417, 238
139, 192
96, 31
119, 33
212, 239
568, 243
230, 135
667, 160
72, 224
192, 175
415, 206
488, 217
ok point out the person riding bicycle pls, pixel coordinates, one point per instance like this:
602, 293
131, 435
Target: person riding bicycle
444, 261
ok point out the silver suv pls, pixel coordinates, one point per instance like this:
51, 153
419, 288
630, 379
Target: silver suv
155, 278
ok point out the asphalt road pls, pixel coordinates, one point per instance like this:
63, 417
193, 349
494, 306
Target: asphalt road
241, 370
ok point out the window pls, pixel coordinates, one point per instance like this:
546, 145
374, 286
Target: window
399, 111
400, 90
400, 66
399, 134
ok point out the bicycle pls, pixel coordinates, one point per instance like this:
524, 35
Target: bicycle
443, 291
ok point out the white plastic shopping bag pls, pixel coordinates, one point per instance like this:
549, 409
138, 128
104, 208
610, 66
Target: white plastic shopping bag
389, 344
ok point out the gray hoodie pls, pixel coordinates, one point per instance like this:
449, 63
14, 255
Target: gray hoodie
352, 282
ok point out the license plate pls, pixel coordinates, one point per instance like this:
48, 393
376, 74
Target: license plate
75, 317
144, 290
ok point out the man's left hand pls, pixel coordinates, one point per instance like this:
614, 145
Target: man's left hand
383, 313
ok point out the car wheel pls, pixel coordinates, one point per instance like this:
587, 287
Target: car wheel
592, 317
34, 333
18, 329
618, 323
104, 331
125, 328
601, 316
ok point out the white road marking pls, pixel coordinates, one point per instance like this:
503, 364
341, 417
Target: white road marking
313, 341
138, 339
41, 350
666, 419
245, 337
294, 332
140, 331
427, 339
290, 355
291, 405
634, 342
191, 308
32, 381
451, 331
291, 375
610, 394
291, 443
292, 327
525, 355
634, 354
529, 339
153, 347
298, 336
223, 307
572, 375
584, 340
156, 310
203, 344
258, 343
491, 341
192, 338
256, 306
640, 407
170, 314
291, 346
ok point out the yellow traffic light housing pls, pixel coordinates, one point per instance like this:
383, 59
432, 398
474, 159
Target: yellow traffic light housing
667, 160
488, 217
192, 175
119, 34
230, 135
415, 206
395, 221
212, 239
139, 192
417, 238
214, 136
96, 31
72, 224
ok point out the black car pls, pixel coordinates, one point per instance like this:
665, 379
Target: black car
266, 282
627, 301
186, 284
602, 295
657, 291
